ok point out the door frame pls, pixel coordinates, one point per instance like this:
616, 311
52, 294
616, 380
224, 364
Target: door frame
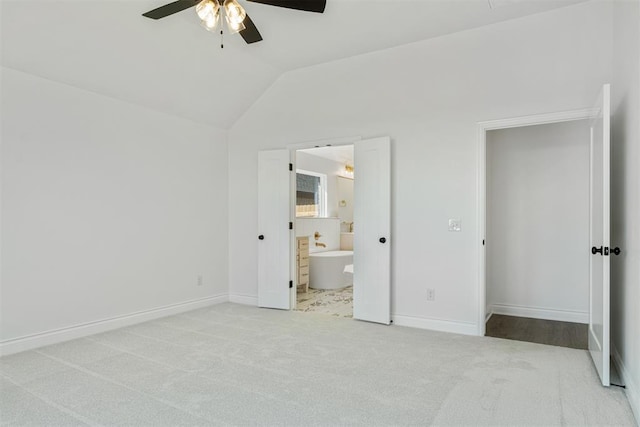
331, 142
481, 191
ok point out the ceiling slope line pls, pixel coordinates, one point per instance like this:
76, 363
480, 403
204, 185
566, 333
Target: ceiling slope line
117, 99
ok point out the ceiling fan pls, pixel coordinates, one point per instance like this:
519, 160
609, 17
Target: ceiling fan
238, 21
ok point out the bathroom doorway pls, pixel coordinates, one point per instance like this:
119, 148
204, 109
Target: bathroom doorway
277, 276
324, 229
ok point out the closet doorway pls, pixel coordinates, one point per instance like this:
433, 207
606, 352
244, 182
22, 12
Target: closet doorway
537, 233
534, 245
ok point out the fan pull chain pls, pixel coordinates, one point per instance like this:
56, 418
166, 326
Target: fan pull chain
221, 39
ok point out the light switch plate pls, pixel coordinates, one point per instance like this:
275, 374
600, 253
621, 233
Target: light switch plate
455, 224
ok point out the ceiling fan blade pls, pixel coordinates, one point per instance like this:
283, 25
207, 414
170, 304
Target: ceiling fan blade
250, 34
306, 5
170, 9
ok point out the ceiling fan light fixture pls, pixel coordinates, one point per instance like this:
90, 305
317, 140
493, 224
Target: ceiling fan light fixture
234, 27
209, 13
235, 13
211, 22
206, 8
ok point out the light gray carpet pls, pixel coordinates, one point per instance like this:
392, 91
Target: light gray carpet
238, 365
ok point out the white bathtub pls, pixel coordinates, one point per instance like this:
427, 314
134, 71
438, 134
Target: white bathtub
326, 269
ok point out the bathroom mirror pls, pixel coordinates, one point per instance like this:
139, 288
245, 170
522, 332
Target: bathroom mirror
345, 201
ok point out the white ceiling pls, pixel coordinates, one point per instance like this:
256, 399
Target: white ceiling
175, 66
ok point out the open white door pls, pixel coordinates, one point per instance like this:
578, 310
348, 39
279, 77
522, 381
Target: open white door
273, 229
372, 225
599, 236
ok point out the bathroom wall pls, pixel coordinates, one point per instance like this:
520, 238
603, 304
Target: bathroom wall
345, 192
332, 169
329, 228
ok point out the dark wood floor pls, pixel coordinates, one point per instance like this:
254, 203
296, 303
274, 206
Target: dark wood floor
551, 332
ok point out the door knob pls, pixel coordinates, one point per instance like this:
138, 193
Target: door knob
383, 240
615, 251
261, 237
595, 250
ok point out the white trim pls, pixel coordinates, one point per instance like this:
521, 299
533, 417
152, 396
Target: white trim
244, 299
538, 119
481, 137
464, 328
29, 342
346, 140
293, 245
481, 195
488, 316
541, 313
632, 389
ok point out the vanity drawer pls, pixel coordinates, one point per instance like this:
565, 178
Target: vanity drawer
303, 277
302, 261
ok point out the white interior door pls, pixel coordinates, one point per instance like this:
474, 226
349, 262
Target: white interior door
273, 229
372, 226
599, 236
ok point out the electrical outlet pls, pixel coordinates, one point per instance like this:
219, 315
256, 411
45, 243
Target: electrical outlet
431, 294
200, 282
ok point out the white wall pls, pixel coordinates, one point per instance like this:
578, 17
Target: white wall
332, 169
329, 229
428, 96
108, 209
625, 195
538, 221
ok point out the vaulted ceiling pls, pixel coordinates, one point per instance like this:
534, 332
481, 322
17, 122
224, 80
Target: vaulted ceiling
173, 65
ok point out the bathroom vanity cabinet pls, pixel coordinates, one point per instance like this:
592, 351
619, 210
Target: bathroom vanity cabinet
302, 262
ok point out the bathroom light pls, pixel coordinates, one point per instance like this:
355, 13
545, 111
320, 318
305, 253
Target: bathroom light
348, 170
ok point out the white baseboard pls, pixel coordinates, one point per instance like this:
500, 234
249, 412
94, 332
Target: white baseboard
244, 299
631, 387
16, 345
455, 327
541, 313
